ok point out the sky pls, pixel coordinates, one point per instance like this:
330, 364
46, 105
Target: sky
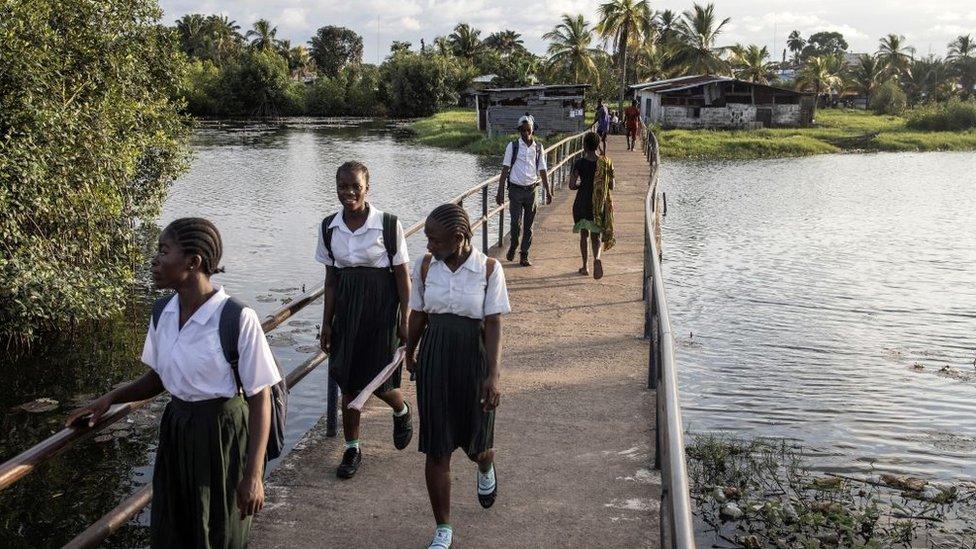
928, 25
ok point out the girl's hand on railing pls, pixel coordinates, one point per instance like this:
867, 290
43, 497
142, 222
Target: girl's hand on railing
96, 409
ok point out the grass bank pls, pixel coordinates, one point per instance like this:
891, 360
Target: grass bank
837, 130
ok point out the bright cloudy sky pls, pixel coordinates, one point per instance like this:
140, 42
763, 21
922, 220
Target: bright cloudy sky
928, 24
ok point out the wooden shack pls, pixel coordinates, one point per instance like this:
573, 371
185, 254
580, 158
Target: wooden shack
720, 102
556, 109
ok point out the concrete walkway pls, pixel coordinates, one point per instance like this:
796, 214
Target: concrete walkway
574, 431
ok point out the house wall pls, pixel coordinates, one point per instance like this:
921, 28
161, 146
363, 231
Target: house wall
734, 115
786, 115
550, 117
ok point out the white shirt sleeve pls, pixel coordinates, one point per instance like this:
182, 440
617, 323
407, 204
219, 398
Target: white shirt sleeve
543, 165
507, 157
496, 294
416, 287
401, 255
321, 254
256, 364
149, 347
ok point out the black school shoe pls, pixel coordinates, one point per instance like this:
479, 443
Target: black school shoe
511, 254
485, 497
402, 430
350, 463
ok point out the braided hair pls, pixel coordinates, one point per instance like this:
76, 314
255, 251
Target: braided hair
196, 235
453, 218
352, 168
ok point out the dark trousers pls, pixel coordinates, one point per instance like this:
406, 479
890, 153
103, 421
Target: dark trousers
522, 202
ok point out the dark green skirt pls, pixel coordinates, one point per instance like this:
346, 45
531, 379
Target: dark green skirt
199, 463
364, 329
451, 371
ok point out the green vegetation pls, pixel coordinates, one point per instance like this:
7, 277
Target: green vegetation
763, 493
954, 115
90, 138
457, 129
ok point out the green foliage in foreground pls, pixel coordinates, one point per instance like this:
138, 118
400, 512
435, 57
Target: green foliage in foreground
953, 115
764, 493
89, 141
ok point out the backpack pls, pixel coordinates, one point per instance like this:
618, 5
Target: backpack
489, 269
515, 148
389, 235
229, 329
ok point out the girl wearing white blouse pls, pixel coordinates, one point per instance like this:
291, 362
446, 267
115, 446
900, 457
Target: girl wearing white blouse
456, 304
207, 480
367, 289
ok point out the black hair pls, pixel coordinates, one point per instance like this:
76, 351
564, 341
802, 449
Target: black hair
195, 235
352, 168
633, 101
453, 218
591, 141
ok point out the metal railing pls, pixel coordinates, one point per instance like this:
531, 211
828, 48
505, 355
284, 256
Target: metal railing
558, 159
677, 521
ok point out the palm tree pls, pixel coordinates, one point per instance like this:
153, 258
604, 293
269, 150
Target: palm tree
569, 49
962, 55
649, 62
442, 45
697, 52
667, 27
505, 42
820, 76
867, 75
751, 63
464, 41
795, 43
894, 55
626, 23
300, 61
928, 79
225, 34
193, 34
264, 35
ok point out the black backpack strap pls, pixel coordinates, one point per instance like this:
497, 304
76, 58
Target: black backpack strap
157, 308
390, 239
230, 331
327, 235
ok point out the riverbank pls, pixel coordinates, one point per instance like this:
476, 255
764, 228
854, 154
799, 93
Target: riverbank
836, 131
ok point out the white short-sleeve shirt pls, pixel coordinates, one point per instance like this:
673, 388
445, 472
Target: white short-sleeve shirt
524, 171
463, 292
363, 247
191, 362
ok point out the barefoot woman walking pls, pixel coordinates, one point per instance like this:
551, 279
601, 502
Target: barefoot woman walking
592, 179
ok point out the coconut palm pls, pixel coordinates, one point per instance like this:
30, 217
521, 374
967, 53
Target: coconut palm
570, 51
929, 79
819, 75
667, 27
225, 35
505, 42
962, 55
963, 46
752, 63
697, 52
193, 34
867, 75
626, 23
464, 41
895, 56
649, 62
795, 43
262, 35
443, 46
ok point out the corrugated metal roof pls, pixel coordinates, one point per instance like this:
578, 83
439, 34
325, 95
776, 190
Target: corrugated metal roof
686, 82
538, 88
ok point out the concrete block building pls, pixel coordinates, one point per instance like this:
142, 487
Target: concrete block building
556, 108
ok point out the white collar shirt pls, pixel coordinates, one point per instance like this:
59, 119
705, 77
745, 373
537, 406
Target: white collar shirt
463, 292
363, 247
190, 361
524, 172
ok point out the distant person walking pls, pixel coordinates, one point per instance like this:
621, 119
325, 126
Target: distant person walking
602, 124
632, 119
523, 167
614, 123
592, 179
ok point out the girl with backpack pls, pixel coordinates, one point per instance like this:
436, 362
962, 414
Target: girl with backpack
456, 304
207, 479
367, 289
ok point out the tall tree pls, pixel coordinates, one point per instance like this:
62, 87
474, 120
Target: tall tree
464, 41
824, 44
262, 35
795, 43
962, 55
819, 75
697, 52
399, 47
928, 79
225, 36
752, 63
649, 62
192, 31
867, 75
300, 61
506, 42
667, 27
334, 48
894, 55
570, 50
626, 23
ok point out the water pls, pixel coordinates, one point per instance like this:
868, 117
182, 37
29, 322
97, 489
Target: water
804, 291
267, 191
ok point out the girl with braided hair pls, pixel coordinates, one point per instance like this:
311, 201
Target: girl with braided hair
207, 480
457, 299
367, 287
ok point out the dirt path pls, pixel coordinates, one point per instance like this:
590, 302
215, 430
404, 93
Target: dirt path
574, 433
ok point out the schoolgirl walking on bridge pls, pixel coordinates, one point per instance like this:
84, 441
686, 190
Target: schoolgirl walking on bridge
367, 290
207, 480
456, 304
592, 179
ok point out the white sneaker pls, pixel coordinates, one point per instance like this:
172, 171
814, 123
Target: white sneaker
442, 539
487, 487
